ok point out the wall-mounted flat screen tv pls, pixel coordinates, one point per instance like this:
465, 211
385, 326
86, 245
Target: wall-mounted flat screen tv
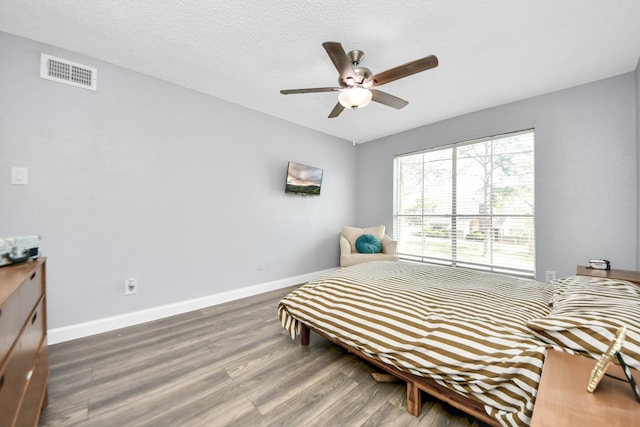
303, 179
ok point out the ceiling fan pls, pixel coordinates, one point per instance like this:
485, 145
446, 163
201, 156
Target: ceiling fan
357, 83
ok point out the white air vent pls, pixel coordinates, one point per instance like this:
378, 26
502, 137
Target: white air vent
71, 73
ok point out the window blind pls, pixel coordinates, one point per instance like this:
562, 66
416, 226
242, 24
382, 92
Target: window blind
469, 204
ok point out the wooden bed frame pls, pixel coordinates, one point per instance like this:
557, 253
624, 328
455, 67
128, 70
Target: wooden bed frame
415, 384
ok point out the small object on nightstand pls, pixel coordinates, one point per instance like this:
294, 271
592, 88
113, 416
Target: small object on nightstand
600, 264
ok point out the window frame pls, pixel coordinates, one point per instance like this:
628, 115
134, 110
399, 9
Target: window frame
455, 216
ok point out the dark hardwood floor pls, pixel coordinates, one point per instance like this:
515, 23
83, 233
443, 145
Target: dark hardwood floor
227, 365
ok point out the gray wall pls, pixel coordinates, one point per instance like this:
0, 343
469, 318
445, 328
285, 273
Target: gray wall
586, 170
149, 180
637, 73
185, 192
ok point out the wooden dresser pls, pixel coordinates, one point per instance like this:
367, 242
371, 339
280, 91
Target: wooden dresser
24, 366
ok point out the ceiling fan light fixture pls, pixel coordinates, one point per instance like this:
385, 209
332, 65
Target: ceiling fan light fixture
355, 97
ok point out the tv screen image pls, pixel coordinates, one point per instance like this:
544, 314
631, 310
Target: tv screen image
303, 179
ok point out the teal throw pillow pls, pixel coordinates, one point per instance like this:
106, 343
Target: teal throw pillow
368, 244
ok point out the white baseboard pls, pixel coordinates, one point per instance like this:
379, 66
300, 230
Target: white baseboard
81, 330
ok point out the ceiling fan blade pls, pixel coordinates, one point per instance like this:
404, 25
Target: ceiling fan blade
309, 90
388, 99
336, 111
405, 70
340, 60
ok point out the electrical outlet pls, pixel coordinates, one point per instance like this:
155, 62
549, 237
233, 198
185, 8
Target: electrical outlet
549, 276
130, 286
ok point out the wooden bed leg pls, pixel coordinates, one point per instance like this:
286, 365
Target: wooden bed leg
414, 401
304, 334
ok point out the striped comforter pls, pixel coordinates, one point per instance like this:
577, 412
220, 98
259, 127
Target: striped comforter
465, 329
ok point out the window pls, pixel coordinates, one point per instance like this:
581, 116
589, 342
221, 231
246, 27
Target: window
469, 204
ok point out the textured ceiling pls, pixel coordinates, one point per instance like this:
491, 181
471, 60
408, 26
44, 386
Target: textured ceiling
491, 52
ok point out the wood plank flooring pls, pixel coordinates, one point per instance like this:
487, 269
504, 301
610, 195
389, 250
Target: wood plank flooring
227, 365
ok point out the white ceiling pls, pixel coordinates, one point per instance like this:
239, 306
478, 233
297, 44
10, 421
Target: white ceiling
491, 52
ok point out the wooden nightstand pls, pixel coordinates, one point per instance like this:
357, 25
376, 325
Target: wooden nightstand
563, 399
628, 275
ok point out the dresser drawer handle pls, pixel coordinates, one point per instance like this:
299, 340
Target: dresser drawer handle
1, 381
35, 316
33, 275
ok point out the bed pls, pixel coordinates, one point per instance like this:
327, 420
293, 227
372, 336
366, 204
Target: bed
472, 339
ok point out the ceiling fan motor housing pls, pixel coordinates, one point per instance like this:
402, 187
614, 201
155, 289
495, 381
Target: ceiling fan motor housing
362, 73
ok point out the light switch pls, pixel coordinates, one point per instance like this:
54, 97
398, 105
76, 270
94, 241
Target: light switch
19, 176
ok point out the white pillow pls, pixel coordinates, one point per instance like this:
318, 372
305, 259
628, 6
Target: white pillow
587, 312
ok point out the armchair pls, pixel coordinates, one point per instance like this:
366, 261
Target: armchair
349, 254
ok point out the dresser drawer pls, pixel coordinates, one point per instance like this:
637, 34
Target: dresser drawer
34, 332
13, 377
36, 391
15, 310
